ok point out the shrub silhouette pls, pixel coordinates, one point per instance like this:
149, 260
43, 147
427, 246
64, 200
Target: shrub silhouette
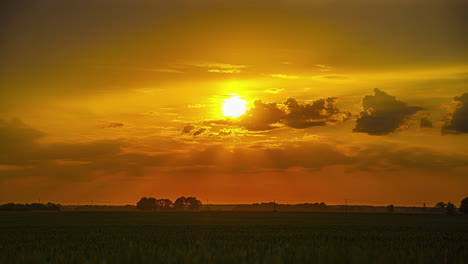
464, 206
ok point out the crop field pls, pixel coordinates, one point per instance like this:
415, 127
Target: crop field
231, 237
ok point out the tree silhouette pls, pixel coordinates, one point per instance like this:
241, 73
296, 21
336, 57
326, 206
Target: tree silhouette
441, 206
180, 203
193, 203
391, 208
451, 208
147, 204
163, 204
464, 206
31, 207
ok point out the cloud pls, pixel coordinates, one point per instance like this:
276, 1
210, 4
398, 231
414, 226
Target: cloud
18, 142
382, 114
267, 116
331, 77
16, 133
285, 76
84, 161
306, 115
225, 71
426, 121
322, 67
274, 90
115, 124
458, 122
199, 131
216, 67
391, 157
162, 70
196, 106
194, 131
262, 116
187, 129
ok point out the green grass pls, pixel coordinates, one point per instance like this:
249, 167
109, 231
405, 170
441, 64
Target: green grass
231, 237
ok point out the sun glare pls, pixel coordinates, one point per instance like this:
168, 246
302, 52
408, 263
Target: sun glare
234, 107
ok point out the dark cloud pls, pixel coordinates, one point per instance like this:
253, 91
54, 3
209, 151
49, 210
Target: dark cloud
18, 142
115, 124
262, 116
458, 122
15, 132
391, 157
426, 121
83, 161
194, 131
199, 131
382, 114
307, 115
267, 116
187, 129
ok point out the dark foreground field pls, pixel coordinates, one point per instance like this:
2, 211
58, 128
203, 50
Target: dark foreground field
231, 237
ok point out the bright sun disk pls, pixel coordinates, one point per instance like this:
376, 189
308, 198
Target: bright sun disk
234, 107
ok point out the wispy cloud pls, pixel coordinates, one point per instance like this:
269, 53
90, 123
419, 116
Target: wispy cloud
162, 70
225, 71
196, 106
322, 67
285, 76
216, 67
274, 90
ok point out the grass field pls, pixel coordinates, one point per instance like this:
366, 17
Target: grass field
231, 237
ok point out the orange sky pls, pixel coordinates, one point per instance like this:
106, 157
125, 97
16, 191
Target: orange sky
114, 100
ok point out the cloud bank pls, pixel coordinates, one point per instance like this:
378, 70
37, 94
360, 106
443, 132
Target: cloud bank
458, 122
382, 114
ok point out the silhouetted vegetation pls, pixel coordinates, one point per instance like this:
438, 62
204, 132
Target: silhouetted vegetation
182, 203
272, 206
390, 208
148, 204
31, 207
464, 206
451, 208
441, 206
448, 208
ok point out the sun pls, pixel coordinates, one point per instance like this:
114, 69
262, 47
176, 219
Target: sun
234, 106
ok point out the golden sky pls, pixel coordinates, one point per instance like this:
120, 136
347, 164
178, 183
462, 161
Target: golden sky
326, 100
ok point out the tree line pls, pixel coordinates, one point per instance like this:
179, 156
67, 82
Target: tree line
181, 203
30, 207
442, 207
273, 206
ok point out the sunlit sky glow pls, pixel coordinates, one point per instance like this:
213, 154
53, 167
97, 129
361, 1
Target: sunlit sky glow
234, 101
234, 106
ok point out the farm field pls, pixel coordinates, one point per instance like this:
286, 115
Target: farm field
231, 237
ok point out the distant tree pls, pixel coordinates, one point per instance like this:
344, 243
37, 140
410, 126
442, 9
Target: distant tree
180, 203
31, 207
147, 204
193, 203
390, 208
163, 204
451, 208
440, 206
464, 206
